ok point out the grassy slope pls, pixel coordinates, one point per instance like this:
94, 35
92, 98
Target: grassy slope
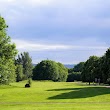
55, 96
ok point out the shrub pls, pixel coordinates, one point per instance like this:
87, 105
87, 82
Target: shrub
30, 81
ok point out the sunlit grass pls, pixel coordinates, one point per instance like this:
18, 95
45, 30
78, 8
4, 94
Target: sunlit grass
54, 95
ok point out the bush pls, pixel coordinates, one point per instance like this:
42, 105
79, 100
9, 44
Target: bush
30, 81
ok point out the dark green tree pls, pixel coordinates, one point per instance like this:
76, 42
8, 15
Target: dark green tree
50, 70
74, 76
78, 67
7, 54
70, 70
97, 67
46, 70
105, 66
88, 73
75, 73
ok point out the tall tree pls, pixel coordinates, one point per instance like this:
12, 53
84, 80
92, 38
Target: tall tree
105, 67
25, 60
19, 73
7, 54
97, 67
88, 73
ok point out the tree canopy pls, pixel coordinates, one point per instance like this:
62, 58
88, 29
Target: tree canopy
24, 66
50, 70
78, 67
88, 73
97, 67
7, 54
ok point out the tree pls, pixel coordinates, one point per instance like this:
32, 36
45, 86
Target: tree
26, 62
97, 67
7, 54
75, 73
70, 70
105, 66
19, 72
50, 70
63, 72
46, 70
78, 67
88, 73
74, 76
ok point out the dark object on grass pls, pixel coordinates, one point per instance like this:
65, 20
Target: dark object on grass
27, 85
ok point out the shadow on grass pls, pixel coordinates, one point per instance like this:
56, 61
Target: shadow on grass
75, 93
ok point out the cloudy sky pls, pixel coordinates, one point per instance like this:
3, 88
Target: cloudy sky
67, 31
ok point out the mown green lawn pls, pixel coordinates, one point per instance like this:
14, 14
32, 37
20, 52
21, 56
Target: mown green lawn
54, 96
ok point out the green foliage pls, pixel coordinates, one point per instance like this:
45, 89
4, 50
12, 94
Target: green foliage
19, 72
26, 62
29, 81
7, 71
89, 70
74, 76
46, 70
75, 73
50, 70
96, 67
106, 64
102, 70
78, 67
63, 72
70, 70
7, 54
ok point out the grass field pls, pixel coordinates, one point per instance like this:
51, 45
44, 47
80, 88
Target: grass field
54, 96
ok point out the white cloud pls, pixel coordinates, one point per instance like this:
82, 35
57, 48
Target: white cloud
26, 45
29, 46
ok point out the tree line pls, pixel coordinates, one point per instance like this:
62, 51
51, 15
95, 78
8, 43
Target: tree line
94, 68
20, 68
97, 67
